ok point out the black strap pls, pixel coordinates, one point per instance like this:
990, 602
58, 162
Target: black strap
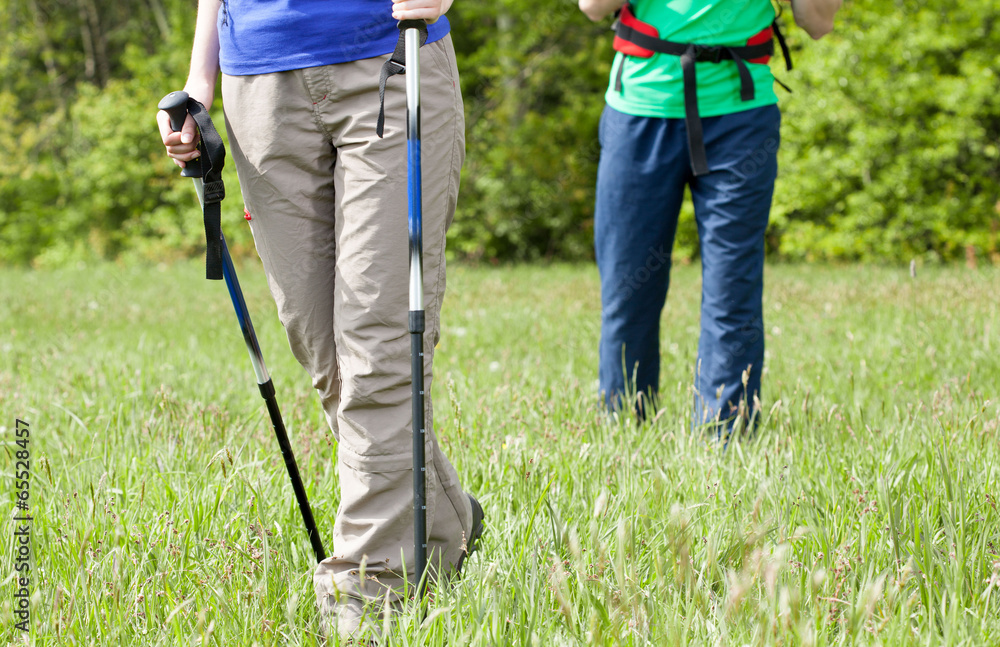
785, 53
212, 159
396, 65
690, 54
618, 76
692, 120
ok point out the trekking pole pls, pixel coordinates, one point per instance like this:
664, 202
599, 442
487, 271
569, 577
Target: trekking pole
414, 30
175, 105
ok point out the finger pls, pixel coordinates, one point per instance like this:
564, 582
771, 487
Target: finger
183, 151
181, 145
428, 15
175, 146
178, 150
166, 134
429, 10
184, 155
405, 5
189, 132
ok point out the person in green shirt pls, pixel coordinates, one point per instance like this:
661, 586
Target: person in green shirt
690, 104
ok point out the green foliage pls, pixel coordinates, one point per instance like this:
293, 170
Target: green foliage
87, 177
533, 86
891, 140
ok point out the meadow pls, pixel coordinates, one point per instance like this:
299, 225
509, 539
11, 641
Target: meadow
864, 512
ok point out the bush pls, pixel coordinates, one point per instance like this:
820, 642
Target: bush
533, 84
891, 140
890, 147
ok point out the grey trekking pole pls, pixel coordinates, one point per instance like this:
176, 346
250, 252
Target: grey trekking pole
177, 105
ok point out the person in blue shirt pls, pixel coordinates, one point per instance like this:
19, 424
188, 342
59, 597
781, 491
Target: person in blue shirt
327, 202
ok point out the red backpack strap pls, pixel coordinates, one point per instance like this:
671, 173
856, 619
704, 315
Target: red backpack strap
763, 37
628, 23
774, 31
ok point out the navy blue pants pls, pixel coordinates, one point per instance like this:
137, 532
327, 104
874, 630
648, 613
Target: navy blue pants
643, 171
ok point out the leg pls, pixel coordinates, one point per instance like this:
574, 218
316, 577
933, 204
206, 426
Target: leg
285, 166
732, 204
374, 524
640, 185
329, 218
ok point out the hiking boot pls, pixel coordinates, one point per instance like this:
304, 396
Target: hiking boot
478, 528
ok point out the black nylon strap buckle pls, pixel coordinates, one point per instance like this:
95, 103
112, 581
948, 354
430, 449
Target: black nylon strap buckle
711, 53
214, 191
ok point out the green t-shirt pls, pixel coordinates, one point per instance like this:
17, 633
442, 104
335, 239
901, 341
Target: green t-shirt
654, 87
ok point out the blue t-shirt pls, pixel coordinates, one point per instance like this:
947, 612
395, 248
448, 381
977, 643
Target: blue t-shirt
263, 36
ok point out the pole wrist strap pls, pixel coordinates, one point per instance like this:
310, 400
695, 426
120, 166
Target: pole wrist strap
212, 159
396, 65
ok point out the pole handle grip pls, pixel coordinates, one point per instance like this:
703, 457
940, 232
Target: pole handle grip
403, 25
175, 105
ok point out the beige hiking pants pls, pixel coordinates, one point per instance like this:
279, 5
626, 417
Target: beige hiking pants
328, 205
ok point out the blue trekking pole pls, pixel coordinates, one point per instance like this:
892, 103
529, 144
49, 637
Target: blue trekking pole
415, 31
406, 60
206, 171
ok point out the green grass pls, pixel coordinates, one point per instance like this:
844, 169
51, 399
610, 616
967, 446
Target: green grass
865, 512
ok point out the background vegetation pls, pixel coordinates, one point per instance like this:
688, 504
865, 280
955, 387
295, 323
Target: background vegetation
890, 145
